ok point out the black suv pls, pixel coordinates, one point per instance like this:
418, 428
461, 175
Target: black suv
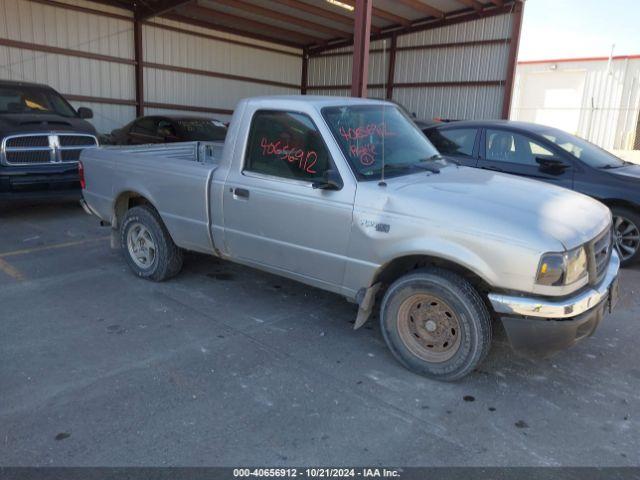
553, 156
41, 136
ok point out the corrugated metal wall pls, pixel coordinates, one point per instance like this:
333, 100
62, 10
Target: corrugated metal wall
47, 25
332, 70
597, 100
191, 52
205, 69
461, 69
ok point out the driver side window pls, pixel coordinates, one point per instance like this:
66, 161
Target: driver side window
512, 147
286, 144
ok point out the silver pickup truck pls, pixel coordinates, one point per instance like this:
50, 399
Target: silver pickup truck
347, 195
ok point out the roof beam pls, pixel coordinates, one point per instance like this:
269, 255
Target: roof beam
144, 11
384, 14
112, 3
283, 17
214, 16
477, 6
423, 8
322, 12
221, 28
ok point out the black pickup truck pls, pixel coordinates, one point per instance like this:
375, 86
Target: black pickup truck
41, 136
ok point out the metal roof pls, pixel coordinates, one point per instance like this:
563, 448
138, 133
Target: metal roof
311, 24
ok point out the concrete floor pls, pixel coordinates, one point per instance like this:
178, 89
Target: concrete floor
225, 365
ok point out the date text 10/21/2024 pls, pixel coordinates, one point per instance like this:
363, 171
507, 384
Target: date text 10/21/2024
317, 472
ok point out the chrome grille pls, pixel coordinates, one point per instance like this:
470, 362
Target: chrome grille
76, 141
30, 141
600, 253
70, 155
28, 157
43, 148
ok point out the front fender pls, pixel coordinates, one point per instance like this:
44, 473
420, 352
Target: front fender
442, 249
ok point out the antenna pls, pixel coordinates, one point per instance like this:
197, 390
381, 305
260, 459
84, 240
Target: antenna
382, 183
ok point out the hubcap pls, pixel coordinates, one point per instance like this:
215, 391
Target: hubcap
141, 245
626, 237
429, 328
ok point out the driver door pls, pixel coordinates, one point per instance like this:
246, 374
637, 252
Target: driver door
273, 216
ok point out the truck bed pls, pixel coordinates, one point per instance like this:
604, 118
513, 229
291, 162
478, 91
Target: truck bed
202, 152
175, 178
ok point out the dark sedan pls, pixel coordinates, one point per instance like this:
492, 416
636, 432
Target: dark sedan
550, 155
169, 129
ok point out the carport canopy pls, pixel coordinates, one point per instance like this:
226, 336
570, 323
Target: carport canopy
316, 26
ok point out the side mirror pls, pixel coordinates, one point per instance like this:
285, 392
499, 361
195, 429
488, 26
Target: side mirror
553, 165
85, 113
330, 181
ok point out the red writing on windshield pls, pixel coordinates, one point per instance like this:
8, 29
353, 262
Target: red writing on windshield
377, 129
366, 153
304, 159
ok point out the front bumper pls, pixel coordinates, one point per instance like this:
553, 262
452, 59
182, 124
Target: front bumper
39, 181
542, 327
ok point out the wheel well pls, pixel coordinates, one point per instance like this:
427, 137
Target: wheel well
403, 265
124, 202
611, 203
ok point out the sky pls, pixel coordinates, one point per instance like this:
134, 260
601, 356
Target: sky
579, 28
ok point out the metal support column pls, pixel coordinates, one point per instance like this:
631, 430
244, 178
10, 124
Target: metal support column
138, 56
362, 32
516, 27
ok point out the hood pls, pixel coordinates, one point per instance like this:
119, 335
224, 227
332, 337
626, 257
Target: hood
13, 123
482, 202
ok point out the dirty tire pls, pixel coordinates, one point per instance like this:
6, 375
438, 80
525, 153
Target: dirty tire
167, 257
444, 340
626, 221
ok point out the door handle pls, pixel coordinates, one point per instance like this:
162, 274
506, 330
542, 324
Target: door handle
241, 192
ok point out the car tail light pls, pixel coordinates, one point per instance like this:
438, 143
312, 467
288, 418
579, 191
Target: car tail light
83, 184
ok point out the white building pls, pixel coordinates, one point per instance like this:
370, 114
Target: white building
594, 98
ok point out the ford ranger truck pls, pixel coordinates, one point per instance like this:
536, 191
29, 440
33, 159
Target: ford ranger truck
347, 195
41, 136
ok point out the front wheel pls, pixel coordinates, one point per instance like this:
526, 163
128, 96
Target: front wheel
626, 235
436, 324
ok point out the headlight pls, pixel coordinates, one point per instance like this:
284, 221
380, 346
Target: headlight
557, 269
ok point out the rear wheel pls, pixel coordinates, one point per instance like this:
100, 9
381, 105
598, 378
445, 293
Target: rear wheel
436, 324
626, 235
147, 245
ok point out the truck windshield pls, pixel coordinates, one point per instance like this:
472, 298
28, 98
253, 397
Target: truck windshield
370, 135
202, 130
25, 99
589, 153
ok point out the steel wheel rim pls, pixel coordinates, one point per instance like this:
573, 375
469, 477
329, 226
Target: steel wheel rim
141, 246
429, 328
626, 237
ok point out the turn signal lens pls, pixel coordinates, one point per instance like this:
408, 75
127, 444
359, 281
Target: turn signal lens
551, 270
557, 269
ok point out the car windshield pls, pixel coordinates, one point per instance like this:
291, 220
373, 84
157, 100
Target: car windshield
371, 136
587, 152
205, 130
24, 99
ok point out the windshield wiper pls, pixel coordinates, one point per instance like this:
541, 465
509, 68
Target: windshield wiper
427, 166
611, 166
437, 156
